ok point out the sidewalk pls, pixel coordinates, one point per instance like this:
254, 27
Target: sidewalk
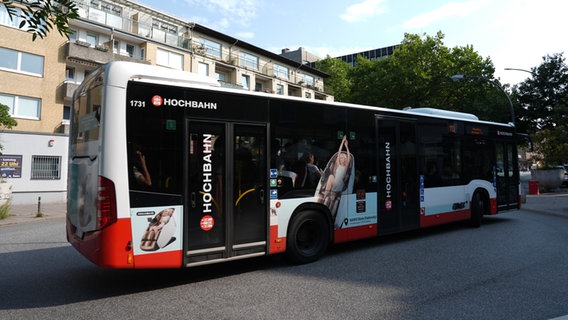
29, 213
555, 203
549, 203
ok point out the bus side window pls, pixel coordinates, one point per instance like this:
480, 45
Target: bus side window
433, 177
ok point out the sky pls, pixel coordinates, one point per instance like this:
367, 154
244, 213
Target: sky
512, 33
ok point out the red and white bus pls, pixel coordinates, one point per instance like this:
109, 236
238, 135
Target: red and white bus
169, 170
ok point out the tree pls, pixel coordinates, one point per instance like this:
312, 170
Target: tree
544, 97
543, 100
337, 84
41, 16
6, 121
418, 74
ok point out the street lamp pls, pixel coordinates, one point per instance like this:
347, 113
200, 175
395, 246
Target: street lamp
459, 77
517, 69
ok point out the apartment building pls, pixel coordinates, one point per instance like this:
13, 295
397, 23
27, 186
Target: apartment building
38, 78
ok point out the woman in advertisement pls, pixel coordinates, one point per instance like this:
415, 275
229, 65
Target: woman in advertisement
337, 179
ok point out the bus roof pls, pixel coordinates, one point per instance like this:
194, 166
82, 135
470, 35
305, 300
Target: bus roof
118, 73
443, 113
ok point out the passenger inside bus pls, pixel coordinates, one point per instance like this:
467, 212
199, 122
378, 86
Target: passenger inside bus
139, 167
433, 177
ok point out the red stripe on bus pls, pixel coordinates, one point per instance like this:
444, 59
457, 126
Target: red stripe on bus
110, 247
170, 259
355, 233
277, 245
441, 218
493, 206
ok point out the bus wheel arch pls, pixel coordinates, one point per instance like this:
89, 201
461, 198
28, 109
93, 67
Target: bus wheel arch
479, 207
309, 235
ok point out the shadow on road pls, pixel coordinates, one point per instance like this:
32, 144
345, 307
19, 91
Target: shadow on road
59, 276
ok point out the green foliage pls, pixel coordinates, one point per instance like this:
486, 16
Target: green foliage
552, 146
41, 16
6, 120
418, 74
5, 210
338, 84
543, 112
544, 97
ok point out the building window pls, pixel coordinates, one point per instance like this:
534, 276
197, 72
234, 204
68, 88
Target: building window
22, 107
72, 35
248, 61
6, 20
21, 62
46, 168
66, 113
92, 39
130, 50
203, 68
106, 13
209, 47
69, 73
169, 59
280, 72
308, 95
245, 81
309, 80
164, 32
221, 76
279, 89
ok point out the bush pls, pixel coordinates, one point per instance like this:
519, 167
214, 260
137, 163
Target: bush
551, 146
5, 210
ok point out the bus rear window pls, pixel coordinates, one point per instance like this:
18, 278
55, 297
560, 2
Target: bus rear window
86, 120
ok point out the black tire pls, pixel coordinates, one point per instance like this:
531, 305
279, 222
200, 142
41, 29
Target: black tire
477, 210
308, 237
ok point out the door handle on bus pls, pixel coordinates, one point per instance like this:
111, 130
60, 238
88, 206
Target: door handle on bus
261, 194
193, 200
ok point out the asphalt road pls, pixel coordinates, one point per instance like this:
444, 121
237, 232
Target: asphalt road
513, 267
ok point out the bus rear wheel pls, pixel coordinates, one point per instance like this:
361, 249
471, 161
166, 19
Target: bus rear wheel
308, 237
477, 210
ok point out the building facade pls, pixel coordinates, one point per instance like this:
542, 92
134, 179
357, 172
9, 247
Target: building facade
374, 54
38, 78
302, 56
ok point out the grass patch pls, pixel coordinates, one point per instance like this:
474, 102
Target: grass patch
5, 210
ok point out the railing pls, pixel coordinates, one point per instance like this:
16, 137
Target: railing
143, 24
99, 54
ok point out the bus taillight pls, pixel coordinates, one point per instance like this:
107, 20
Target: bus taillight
106, 203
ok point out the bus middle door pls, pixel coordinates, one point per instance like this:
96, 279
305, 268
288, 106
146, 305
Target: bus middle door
507, 176
226, 197
398, 188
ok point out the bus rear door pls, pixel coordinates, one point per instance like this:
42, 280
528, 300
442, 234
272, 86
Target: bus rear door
226, 191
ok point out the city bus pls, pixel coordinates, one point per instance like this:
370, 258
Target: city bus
168, 169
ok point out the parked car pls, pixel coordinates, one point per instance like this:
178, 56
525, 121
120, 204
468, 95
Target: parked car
565, 182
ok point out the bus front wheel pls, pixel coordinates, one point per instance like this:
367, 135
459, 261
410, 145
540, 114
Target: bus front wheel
308, 237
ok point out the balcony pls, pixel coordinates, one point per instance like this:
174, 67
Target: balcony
85, 53
67, 90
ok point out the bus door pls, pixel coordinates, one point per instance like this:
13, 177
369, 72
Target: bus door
226, 197
398, 185
507, 176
